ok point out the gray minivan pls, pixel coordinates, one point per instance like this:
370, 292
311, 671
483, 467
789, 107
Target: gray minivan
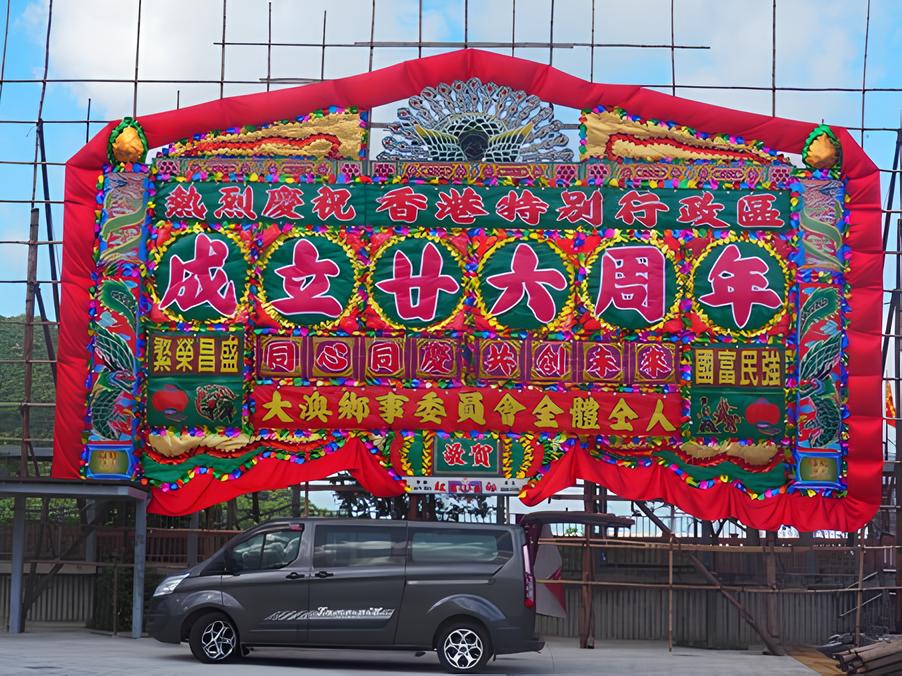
464, 590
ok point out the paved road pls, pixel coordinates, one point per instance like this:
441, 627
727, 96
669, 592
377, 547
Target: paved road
80, 653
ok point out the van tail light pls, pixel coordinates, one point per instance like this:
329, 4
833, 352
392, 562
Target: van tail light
529, 581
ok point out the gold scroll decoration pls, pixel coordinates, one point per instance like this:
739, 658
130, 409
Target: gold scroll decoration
332, 136
608, 135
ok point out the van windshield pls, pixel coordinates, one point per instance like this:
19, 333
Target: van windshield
444, 545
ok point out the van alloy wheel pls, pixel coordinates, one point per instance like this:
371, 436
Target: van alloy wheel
463, 648
218, 640
214, 639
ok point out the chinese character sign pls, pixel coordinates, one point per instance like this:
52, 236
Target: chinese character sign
663, 335
682, 314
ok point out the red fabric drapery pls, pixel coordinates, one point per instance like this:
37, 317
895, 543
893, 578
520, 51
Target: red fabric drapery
405, 79
271, 473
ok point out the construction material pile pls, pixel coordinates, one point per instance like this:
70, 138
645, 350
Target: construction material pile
882, 657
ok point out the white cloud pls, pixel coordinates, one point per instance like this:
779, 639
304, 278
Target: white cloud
817, 44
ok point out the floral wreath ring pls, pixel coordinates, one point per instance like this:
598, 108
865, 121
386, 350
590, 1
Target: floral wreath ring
160, 253
565, 310
275, 246
371, 284
622, 239
744, 238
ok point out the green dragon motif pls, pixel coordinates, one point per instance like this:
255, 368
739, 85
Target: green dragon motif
816, 369
117, 375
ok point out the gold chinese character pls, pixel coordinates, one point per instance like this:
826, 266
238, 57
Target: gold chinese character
353, 406
277, 407
228, 358
658, 418
622, 415
206, 355
584, 413
430, 409
704, 366
508, 408
546, 412
315, 407
162, 354
470, 407
771, 367
748, 367
726, 361
391, 406
184, 354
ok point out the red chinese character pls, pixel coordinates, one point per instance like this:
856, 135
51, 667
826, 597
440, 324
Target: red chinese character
385, 357
201, 279
740, 283
603, 362
550, 360
581, 207
499, 359
306, 283
655, 362
436, 357
480, 454
416, 296
642, 207
757, 211
701, 210
453, 454
525, 278
333, 356
333, 203
526, 206
185, 203
632, 278
281, 355
281, 202
461, 207
402, 204
236, 203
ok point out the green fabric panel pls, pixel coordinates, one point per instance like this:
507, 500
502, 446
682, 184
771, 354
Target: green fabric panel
415, 455
169, 473
755, 481
363, 199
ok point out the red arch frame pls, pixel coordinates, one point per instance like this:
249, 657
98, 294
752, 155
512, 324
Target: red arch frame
406, 79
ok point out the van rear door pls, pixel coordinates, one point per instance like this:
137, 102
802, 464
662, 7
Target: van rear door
445, 562
356, 583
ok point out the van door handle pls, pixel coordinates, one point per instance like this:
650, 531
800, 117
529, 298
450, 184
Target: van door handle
294, 575
324, 573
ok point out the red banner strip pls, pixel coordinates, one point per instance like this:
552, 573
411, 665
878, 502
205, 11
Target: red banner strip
627, 414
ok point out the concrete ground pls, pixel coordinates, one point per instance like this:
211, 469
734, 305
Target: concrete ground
81, 653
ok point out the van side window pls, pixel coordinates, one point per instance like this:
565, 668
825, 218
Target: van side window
342, 546
448, 545
280, 548
265, 551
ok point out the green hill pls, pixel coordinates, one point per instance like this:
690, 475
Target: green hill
12, 382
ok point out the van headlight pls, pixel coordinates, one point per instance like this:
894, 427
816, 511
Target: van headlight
168, 585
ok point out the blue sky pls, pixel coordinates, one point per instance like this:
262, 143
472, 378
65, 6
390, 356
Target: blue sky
819, 44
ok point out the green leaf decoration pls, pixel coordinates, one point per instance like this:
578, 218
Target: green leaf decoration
826, 420
117, 296
821, 358
113, 350
103, 406
822, 150
822, 303
133, 131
